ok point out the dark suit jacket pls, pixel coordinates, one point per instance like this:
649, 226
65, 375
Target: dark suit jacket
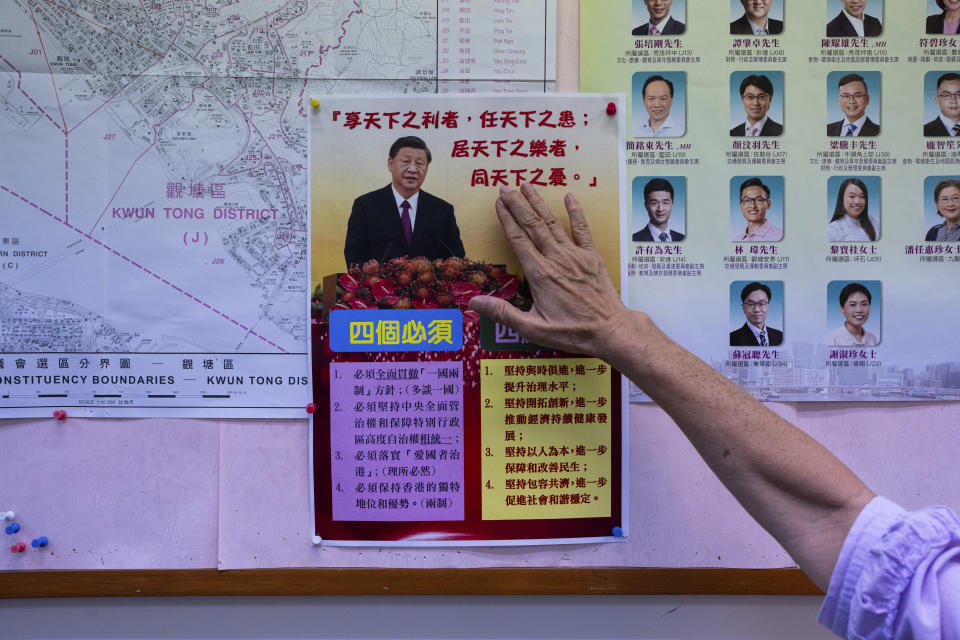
375, 231
743, 337
644, 235
840, 27
741, 27
672, 28
770, 128
935, 128
869, 128
935, 23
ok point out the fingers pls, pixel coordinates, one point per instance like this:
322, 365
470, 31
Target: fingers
578, 222
501, 312
543, 210
528, 219
520, 242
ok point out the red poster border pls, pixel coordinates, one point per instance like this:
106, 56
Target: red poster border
473, 529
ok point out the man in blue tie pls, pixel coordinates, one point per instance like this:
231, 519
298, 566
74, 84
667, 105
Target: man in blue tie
400, 219
658, 201
853, 97
755, 300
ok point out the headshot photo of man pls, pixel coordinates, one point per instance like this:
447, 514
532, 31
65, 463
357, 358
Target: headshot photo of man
946, 99
852, 21
657, 18
750, 222
659, 104
853, 100
756, 18
657, 196
400, 219
755, 305
756, 93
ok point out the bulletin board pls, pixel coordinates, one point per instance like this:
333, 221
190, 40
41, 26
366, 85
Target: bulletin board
191, 506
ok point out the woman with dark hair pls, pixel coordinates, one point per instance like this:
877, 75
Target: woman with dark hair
855, 302
948, 21
946, 196
850, 221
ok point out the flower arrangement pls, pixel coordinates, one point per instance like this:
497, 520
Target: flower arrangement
419, 283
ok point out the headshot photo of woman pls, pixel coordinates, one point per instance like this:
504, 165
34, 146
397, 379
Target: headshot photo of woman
855, 299
851, 221
946, 198
948, 20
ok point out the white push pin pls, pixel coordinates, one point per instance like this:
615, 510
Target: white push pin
8, 515
317, 541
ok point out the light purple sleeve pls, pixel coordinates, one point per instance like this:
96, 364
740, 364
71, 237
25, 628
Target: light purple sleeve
898, 576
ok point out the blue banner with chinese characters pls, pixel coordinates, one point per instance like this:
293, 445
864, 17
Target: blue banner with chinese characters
396, 330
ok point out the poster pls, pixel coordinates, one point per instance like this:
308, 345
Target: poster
153, 186
434, 427
817, 239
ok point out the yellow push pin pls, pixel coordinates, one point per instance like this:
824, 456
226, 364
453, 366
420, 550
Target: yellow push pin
314, 103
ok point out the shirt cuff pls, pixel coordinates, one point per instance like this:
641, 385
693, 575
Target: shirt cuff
876, 519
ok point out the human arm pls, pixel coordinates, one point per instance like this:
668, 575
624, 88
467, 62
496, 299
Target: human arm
796, 489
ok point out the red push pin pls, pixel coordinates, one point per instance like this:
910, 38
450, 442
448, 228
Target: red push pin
60, 414
611, 108
20, 547
311, 408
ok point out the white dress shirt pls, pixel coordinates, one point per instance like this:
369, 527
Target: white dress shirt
856, 22
413, 205
857, 124
668, 129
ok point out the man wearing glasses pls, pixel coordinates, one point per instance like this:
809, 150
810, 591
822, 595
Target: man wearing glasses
853, 97
948, 99
756, 92
754, 202
755, 299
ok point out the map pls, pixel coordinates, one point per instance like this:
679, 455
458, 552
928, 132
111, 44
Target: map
153, 186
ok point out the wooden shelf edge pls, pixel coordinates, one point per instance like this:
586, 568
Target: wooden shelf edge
340, 581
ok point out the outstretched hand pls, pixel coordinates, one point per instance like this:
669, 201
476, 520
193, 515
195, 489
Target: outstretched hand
575, 305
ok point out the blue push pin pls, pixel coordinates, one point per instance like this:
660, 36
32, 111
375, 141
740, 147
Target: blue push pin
36, 543
617, 532
12, 528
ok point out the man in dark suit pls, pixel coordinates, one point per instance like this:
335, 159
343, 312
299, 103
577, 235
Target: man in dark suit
754, 20
658, 201
400, 219
755, 300
852, 22
947, 122
660, 23
756, 92
853, 96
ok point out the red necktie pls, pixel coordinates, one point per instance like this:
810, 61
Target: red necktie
405, 221
653, 30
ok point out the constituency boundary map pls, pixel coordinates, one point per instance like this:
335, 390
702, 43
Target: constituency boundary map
153, 188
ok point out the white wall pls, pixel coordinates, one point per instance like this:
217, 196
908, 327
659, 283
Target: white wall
473, 617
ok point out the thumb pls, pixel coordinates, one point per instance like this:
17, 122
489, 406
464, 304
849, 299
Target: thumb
498, 310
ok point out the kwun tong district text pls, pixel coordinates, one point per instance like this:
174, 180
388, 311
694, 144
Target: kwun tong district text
195, 213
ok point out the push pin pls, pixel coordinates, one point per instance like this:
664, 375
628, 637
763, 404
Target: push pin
12, 528
60, 414
36, 543
617, 532
317, 541
311, 408
611, 108
8, 515
18, 548
314, 103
